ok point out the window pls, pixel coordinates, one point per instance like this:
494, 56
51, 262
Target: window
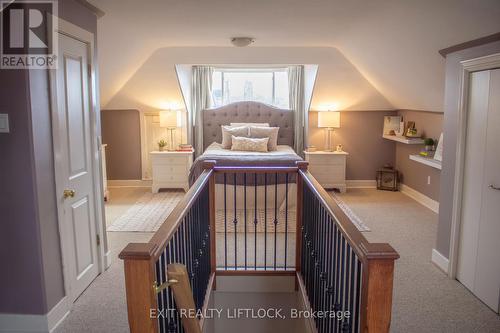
264, 85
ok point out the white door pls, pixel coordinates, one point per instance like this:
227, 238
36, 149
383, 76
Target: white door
74, 158
479, 249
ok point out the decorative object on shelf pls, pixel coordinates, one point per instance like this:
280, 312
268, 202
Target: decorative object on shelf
392, 125
438, 155
411, 130
311, 149
169, 120
387, 178
329, 120
339, 148
162, 144
429, 144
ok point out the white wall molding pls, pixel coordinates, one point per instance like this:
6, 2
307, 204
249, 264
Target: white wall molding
356, 183
420, 198
32, 323
130, 183
440, 261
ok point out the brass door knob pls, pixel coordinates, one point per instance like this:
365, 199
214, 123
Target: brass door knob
68, 194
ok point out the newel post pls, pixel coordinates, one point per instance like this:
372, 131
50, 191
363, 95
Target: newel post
378, 277
301, 166
139, 283
210, 165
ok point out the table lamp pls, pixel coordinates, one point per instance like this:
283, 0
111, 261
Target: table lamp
168, 120
329, 120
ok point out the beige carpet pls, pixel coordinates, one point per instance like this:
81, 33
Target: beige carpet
148, 213
425, 300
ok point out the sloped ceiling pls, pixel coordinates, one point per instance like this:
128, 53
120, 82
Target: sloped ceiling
393, 43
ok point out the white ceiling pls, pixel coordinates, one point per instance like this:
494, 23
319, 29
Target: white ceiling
393, 43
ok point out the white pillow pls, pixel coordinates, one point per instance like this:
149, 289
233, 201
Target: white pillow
266, 132
249, 144
251, 124
227, 131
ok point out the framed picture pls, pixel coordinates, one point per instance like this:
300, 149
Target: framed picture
391, 125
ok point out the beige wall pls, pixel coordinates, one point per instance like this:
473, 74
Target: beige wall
452, 92
414, 174
154, 85
361, 136
121, 131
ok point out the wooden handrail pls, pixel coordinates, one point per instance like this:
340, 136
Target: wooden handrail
184, 297
256, 169
377, 259
140, 259
363, 249
167, 229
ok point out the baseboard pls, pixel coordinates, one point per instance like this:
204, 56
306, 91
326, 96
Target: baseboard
107, 260
420, 198
360, 183
130, 183
57, 314
31, 323
440, 261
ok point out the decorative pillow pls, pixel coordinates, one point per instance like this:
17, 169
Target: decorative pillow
266, 132
227, 131
249, 144
251, 124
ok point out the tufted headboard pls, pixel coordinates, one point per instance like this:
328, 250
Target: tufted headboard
247, 112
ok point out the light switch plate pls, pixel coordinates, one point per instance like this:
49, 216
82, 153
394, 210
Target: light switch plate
4, 123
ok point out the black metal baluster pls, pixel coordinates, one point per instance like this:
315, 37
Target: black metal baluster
337, 277
225, 225
255, 221
235, 223
286, 218
358, 296
265, 221
245, 212
275, 222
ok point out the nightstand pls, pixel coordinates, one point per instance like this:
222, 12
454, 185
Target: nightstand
328, 167
171, 169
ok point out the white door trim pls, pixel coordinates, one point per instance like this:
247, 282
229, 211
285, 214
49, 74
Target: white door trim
86, 37
468, 67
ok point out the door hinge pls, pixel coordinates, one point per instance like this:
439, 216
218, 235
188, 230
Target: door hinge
98, 238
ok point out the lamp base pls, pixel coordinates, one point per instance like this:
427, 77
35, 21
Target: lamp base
328, 141
171, 147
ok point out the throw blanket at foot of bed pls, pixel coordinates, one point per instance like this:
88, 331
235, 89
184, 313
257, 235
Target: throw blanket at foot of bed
284, 156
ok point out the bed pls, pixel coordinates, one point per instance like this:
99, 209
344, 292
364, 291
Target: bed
272, 190
245, 112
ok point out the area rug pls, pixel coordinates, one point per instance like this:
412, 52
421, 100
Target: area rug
148, 213
348, 211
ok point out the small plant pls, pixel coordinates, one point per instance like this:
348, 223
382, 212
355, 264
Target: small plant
162, 144
429, 142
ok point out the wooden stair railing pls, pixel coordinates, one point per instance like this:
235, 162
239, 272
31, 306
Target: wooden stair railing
335, 266
180, 250
374, 262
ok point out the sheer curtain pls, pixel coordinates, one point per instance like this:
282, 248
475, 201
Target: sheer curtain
296, 99
201, 98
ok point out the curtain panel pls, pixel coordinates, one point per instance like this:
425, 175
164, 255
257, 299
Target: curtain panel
297, 104
201, 99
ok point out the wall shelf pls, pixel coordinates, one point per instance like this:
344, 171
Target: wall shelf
403, 139
427, 161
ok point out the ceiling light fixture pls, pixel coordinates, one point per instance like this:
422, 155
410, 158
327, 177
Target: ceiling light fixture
242, 41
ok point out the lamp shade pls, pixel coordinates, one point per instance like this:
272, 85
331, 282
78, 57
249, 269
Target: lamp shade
168, 118
329, 119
